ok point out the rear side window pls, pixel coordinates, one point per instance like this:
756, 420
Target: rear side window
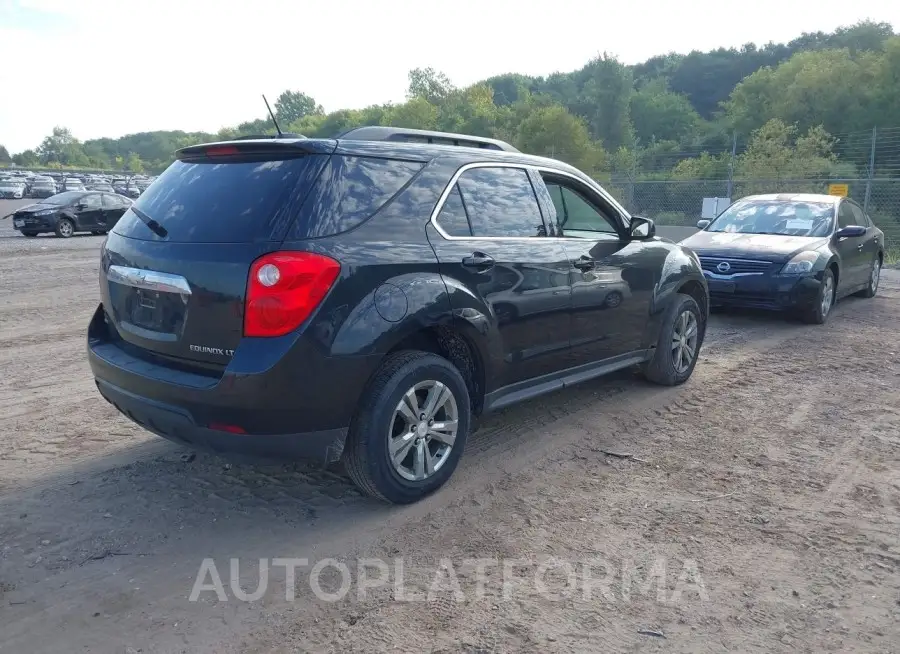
349, 192
452, 218
501, 202
234, 202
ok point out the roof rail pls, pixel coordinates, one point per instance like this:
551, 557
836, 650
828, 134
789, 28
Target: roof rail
379, 133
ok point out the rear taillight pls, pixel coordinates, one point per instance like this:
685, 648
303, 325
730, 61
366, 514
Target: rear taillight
283, 290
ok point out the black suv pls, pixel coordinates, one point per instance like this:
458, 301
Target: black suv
364, 298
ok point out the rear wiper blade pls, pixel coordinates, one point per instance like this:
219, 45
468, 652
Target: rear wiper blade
158, 229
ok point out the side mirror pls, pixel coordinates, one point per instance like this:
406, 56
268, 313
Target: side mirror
642, 228
703, 224
851, 231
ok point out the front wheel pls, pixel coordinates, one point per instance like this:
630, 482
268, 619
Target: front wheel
818, 313
410, 430
678, 346
65, 228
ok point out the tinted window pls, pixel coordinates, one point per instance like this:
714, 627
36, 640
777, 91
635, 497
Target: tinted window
91, 201
858, 216
845, 215
211, 202
112, 202
452, 218
501, 202
349, 191
574, 212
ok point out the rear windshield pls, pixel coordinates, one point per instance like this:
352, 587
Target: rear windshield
212, 202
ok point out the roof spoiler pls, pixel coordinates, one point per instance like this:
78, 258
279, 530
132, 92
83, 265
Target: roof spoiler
378, 133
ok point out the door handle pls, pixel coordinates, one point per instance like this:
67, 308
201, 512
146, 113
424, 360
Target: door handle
584, 263
478, 260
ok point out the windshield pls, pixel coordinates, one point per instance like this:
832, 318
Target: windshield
62, 198
783, 217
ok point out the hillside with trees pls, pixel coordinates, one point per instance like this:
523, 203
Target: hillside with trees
673, 116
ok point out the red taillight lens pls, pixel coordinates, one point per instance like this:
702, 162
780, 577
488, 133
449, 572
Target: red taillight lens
283, 290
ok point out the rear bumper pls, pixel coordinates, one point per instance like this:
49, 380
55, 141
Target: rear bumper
287, 398
773, 292
176, 424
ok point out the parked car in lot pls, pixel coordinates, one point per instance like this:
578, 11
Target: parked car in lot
42, 187
103, 187
797, 252
335, 299
72, 184
72, 211
12, 189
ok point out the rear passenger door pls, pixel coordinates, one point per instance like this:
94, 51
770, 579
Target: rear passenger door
853, 260
89, 212
113, 208
492, 239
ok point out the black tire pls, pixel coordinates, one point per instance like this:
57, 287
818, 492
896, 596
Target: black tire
98, 232
366, 456
817, 314
613, 300
62, 231
29, 234
661, 368
874, 279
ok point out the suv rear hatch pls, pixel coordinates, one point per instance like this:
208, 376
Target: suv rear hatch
174, 268
181, 267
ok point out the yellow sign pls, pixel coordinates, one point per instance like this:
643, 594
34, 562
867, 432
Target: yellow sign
843, 190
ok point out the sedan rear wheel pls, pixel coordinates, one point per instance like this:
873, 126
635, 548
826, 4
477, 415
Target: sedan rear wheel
874, 280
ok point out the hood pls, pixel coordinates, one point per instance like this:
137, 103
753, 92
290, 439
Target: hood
764, 247
34, 208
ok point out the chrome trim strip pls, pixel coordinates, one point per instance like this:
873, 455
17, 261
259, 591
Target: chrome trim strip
732, 276
526, 167
730, 259
149, 280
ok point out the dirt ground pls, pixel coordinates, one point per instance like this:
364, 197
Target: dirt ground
761, 513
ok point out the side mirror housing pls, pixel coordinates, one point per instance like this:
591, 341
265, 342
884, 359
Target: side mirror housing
851, 231
703, 224
642, 228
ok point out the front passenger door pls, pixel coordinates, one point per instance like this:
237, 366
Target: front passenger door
89, 212
491, 242
612, 276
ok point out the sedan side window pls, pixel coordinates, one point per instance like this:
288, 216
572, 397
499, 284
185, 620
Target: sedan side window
90, 202
110, 202
845, 216
859, 216
574, 212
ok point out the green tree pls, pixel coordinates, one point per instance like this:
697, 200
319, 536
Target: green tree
294, 105
133, 163
4, 155
27, 159
429, 84
657, 113
778, 151
554, 132
604, 99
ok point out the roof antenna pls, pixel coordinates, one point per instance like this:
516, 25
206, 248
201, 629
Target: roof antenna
272, 114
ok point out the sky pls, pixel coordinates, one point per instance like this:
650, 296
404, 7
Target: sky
114, 67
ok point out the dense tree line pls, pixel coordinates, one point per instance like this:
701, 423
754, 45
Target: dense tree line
673, 115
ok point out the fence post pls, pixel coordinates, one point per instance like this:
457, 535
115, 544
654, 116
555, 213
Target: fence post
730, 189
871, 172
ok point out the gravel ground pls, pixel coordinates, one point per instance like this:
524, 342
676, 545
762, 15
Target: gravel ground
764, 496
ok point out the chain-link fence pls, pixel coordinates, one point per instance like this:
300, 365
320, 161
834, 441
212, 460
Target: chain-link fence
678, 202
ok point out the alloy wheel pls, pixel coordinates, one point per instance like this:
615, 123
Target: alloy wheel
65, 228
684, 341
827, 295
423, 430
876, 276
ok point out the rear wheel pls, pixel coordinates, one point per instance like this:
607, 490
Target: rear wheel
874, 279
410, 430
65, 228
678, 347
818, 313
